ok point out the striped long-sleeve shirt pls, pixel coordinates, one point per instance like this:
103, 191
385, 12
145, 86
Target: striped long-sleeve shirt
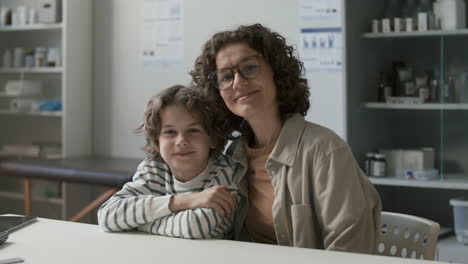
143, 203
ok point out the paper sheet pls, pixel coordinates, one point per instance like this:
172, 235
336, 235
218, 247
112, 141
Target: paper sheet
162, 33
321, 49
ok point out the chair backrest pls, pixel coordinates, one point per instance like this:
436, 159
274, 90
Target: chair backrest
407, 236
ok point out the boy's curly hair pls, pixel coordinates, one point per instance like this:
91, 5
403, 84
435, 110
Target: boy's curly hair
292, 89
196, 103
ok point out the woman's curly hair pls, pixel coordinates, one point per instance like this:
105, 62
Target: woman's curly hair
195, 103
292, 89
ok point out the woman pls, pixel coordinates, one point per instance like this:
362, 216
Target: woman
304, 186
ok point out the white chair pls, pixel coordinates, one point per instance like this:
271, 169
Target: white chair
407, 236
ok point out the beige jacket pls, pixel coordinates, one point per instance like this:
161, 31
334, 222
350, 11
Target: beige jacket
322, 198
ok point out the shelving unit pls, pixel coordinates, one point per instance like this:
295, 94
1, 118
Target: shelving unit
70, 82
439, 125
426, 106
450, 182
56, 26
32, 70
38, 113
429, 33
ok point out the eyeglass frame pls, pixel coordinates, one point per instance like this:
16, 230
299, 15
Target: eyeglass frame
213, 73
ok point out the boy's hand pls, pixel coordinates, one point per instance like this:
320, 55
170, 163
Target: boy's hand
216, 197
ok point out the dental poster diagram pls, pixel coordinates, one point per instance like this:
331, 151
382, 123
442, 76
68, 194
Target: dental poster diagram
162, 34
321, 49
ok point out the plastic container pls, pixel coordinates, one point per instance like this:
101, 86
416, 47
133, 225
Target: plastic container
40, 57
423, 175
460, 213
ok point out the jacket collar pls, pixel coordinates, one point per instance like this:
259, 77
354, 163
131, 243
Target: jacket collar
238, 152
286, 146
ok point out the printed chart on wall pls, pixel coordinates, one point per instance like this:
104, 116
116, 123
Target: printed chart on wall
162, 34
321, 36
321, 49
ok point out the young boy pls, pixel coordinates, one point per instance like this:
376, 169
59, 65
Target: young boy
185, 188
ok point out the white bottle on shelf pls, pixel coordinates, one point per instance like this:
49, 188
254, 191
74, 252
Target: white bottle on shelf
3, 16
390, 13
18, 57
450, 13
32, 16
424, 13
7, 58
409, 14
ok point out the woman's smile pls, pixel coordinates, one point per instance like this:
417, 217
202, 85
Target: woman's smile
245, 96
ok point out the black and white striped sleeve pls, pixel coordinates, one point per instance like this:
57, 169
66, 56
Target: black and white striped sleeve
198, 223
139, 202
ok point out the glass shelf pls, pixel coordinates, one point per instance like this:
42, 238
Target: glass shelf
55, 26
32, 70
449, 181
426, 106
39, 113
429, 33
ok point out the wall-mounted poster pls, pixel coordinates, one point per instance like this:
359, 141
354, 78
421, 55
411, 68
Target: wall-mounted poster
320, 10
321, 49
162, 33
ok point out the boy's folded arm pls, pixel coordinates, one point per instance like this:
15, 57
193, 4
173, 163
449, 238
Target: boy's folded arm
141, 201
197, 223
131, 212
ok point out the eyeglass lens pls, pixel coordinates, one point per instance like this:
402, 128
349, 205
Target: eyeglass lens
247, 68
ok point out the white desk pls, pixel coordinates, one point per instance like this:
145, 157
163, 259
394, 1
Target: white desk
51, 241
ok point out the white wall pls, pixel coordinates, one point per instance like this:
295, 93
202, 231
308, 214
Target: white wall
122, 86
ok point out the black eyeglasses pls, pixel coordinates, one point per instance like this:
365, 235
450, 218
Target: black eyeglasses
248, 68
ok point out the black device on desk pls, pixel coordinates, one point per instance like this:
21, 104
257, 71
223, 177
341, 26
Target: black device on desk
9, 224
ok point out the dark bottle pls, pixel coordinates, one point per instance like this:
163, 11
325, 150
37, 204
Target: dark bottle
368, 163
396, 84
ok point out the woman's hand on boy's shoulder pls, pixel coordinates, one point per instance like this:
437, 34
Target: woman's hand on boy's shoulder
216, 197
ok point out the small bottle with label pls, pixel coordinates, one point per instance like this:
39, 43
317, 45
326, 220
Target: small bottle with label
7, 56
368, 163
423, 11
390, 13
409, 14
434, 86
40, 57
422, 87
449, 90
385, 89
379, 165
